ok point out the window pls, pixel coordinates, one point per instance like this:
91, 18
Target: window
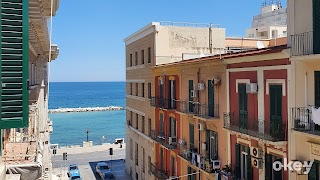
143, 124
172, 166
136, 58
131, 149
137, 89
143, 153
149, 55
137, 149
172, 94
149, 126
130, 88
137, 121
211, 107
212, 145
130, 60
142, 56
149, 164
142, 87
172, 127
243, 162
149, 90
191, 136
270, 173
161, 125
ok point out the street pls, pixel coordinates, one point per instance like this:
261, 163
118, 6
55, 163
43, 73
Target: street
87, 162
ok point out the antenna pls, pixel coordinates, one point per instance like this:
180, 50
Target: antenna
260, 45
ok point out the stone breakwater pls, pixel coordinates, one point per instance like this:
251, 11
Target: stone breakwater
87, 109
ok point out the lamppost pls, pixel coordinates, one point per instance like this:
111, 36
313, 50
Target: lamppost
87, 131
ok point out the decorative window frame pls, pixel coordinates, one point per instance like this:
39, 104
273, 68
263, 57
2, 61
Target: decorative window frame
276, 81
241, 81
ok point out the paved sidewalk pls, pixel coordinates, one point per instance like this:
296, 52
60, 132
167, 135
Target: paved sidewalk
81, 150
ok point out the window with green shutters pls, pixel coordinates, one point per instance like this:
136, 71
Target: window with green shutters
316, 26
243, 106
191, 136
249, 165
317, 88
14, 63
190, 96
238, 165
314, 172
210, 99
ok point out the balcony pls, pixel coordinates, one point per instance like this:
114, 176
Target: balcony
269, 131
303, 122
163, 103
165, 140
158, 172
306, 43
198, 109
191, 155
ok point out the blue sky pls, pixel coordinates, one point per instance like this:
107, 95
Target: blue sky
90, 33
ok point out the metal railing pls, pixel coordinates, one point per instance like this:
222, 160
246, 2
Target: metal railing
302, 121
304, 43
163, 139
198, 109
158, 172
160, 102
259, 128
189, 24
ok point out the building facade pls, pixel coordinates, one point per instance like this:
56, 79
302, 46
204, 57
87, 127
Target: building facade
304, 45
155, 44
25, 126
271, 23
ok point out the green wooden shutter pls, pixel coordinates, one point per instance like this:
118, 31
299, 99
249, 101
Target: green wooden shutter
243, 106
208, 143
317, 88
249, 165
170, 125
210, 99
314, 172
276, 111
238, 166
174, 127
14, 63
268, 166
191, 135
190, 96
316, 26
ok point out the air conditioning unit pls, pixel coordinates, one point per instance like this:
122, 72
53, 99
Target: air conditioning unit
257, 163
216, 164
172, 140
216, 81
256, 152
200, 126
201, 86
193, 93
252, 88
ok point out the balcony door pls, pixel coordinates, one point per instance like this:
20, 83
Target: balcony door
172, 94
161, 133
317, 93
191, 136
161, 159
172, 127
316, 26
190, 96
243, 106
210, 99
276, 111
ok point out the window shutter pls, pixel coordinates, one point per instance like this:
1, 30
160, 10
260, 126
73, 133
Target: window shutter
14, 63
191, 135
313, 174
316, 26
190, 96
238, 167
317, 88
208, 144
268, 166
210, 99
249, 165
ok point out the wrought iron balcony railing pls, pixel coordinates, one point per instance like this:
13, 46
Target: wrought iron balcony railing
159, 171
169, 142
303, 122
274, 130
160, 102
198, 109
306, 43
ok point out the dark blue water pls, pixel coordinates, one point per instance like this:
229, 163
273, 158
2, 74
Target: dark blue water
70, 128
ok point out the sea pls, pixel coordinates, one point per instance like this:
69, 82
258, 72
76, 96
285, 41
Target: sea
69, 129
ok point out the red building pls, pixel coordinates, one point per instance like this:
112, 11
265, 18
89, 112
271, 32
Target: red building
257, 104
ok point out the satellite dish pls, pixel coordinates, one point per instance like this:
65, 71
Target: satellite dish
260, 45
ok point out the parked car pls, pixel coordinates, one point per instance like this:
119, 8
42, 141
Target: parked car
75, 176
102, 167
107, 175
73, 169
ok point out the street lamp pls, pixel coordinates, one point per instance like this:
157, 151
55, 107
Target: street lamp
87, 131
